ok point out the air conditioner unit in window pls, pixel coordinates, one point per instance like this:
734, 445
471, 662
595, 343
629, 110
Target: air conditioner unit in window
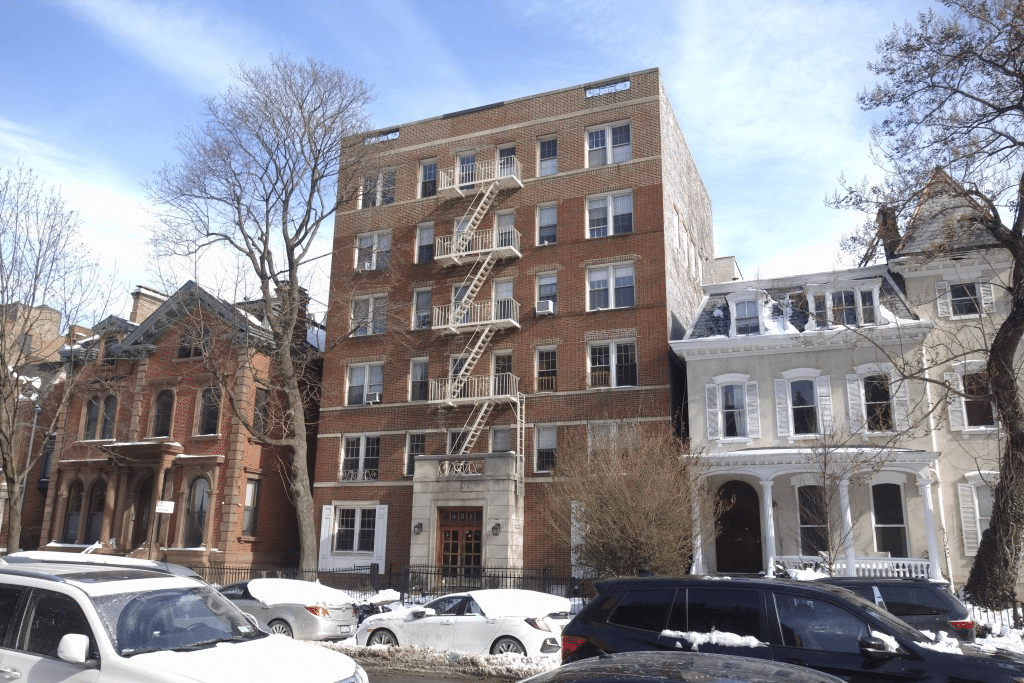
372, 398
545, 307
366, 265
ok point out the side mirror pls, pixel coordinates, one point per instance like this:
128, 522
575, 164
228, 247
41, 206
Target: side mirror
424, 612
74, 648
875, 648
252, 620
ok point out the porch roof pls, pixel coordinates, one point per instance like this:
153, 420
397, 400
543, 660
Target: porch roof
769, 463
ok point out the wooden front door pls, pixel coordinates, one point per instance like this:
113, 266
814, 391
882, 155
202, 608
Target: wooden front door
738, 547
461, 542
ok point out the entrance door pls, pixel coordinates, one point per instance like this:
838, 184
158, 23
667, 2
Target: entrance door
461, 546
140, 509
738, 548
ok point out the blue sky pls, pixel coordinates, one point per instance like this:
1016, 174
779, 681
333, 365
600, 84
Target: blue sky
95, 91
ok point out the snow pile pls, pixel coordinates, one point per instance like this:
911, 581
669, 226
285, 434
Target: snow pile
942, 642
1005, 639
291, 591
890, 643
806, 574
438, 663
722, 638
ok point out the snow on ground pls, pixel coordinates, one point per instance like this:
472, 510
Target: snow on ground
421, 660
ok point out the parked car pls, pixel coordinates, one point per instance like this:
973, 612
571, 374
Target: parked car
812, 624
925, 605
489, 621
681, 667
119, 621
297, 609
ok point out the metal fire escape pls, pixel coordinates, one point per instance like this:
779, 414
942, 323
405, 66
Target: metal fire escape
483, 248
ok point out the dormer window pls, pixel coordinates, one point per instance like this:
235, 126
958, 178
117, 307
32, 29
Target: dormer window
745, 312
851, 306
747, 320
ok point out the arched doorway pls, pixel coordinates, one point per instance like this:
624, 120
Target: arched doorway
738, 547
141, 508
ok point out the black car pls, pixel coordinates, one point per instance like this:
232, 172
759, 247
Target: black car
810, 624
925, 605
678, 667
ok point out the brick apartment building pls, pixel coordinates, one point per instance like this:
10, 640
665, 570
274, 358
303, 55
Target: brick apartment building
509, 274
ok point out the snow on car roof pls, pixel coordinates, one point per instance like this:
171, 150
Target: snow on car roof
293, 591
515, 602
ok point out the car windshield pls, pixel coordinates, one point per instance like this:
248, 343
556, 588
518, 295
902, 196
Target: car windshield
173, 618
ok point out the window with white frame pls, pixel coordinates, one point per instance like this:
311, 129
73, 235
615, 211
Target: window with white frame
503, 291
888, 513
424, 243
378, 189
547, 153
416, 446
506, 161
428, 178
878, 400
370, 315
975, 498
812, 515
803, 403
970, 399
613, 364
503, 380
547, 289
505, 229
501, 440
545, 443
365, 381
614, 210
373, 250
467, 170
732, 408
547, 369
422, 315
844, 306
609, 144
419, 382
748, 318
252, 498
964, 299
611, 286
547, 224
355, 529
360, 458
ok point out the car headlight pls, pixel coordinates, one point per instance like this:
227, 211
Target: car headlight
358, 676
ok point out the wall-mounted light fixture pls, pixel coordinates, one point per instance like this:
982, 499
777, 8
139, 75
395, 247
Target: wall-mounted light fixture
496, 529
417, 528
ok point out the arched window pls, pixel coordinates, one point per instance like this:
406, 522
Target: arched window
92, 418
109, 412
97, 499
195, 517
73, 513
163, 409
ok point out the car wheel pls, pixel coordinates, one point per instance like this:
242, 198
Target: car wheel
282, 627
384, 637
506, 645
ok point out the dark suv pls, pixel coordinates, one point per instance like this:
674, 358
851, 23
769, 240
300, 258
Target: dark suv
815, 625
925, 605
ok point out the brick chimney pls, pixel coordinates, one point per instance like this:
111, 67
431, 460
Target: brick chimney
145, 301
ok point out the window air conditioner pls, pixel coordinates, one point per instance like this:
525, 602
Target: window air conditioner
366, 265
372, 398
545, 307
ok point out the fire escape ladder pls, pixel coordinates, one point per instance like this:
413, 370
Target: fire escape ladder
520, 411
476, 347
475, 425
474, 282
475, 214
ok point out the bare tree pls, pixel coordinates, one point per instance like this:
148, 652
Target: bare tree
278, 154
46, 284
629, 498
953, 96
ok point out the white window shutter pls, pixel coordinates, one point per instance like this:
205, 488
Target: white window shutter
380, 536
782, 420
711, 397
753, 411
942, 299
855, 397
969, 519
824, 386
957, 419
900, 404
326, 532
987, 295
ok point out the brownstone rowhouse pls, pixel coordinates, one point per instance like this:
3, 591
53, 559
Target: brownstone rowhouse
509, 273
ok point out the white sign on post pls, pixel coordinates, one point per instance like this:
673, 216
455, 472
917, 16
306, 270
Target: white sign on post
164, 506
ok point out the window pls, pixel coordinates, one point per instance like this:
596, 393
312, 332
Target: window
610, 287
507, 161
99, 418
364, 379
546, 438
419, 384
613, 364
878, 402
373, 251
425, 243
729, 610
548, 153
959, 299
801, 619
423, 311
360, 458
803, 401
370, 315
378, 189
252, 497
969, 399
621, 206
354, 529
846, 307
190, 343
813, 515
547, 224
417, 446
261, 413
467, 170
163, 409
94, 522
92, 417
109, 413
109, 344
732, 408
209, 411
503, 379
976, 507
547, 370
598, 140
748, 320
49, 616
73, 512
890, 529
505, 229
457, 439
547, 289
505, 306
428, 178
501, 440
195, 514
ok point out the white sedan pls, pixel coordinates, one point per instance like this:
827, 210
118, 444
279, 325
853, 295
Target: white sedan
492, 621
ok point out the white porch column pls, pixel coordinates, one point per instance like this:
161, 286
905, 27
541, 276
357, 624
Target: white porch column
769, 526
844, 509
698, 565
924, 487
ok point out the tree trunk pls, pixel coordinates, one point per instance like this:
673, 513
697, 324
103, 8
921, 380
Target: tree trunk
14, 498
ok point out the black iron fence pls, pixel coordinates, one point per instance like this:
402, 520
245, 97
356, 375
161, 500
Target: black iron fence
360, 581
993, 621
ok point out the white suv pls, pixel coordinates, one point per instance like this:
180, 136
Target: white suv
100, 619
